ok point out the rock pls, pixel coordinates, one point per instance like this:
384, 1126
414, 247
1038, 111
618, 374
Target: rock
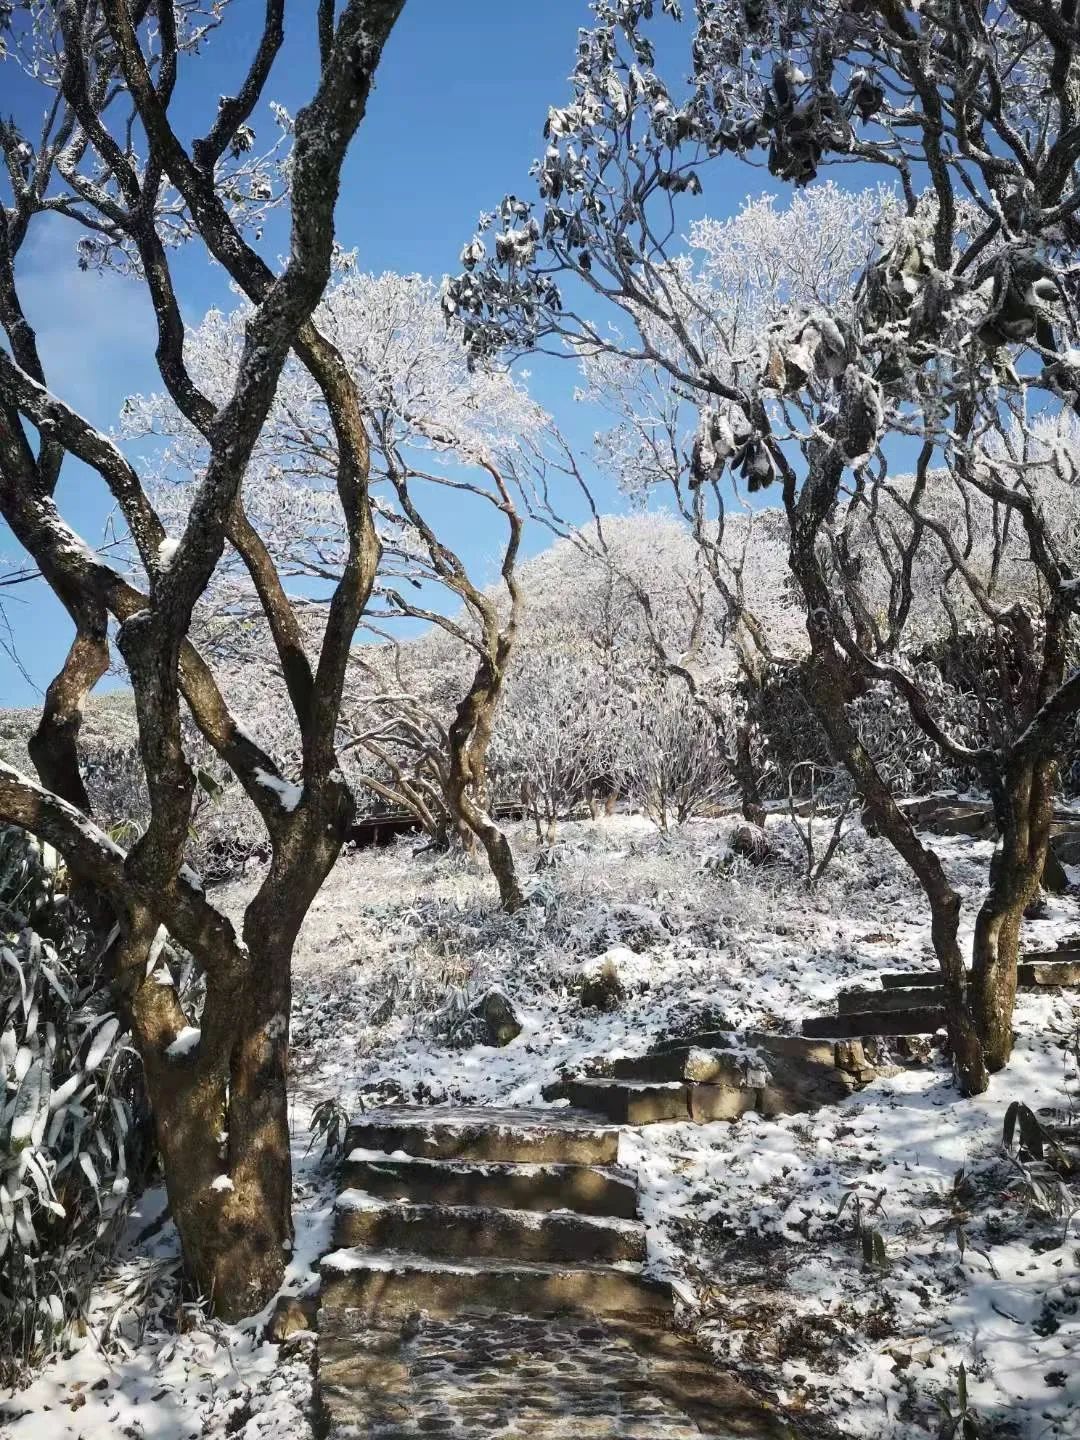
751, 843
292, 1314
500, 1023
914, 1049
795, 1085
962, 820
602, 988
1066, 847
1054, 879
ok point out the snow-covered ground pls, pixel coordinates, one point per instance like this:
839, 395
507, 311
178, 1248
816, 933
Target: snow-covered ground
758, 1222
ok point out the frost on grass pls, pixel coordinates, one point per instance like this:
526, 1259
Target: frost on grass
153, 1365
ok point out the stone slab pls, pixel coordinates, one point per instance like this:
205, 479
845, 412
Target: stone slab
470, 1231
478, 1132
908, 979
796, 1086
1049, 968
822, 1052
851, 1002
1036, 968
629, 1102
960, 820
381, 1289
721, 1102
924, 1021
688, 1062
592, 1190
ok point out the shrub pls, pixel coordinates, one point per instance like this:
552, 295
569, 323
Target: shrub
68, 1111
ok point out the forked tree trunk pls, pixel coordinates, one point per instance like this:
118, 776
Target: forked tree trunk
829, 687
1024, 808
221, 1107
470, 738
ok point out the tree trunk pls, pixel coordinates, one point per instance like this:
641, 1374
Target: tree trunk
221, 1106
1024, 808
499, 853
470, 736
826, 697
753, 808
233, 1218
220, 1116
829, 685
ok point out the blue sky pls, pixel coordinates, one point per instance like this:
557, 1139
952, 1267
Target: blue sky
454, 123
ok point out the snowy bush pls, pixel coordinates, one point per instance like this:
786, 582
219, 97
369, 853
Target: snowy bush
67, 1121
560, 734
910, 763
675, 765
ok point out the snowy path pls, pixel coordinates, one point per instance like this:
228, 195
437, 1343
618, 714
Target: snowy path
525, 1378
490, 1281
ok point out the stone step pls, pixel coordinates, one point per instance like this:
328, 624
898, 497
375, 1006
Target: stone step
959, 820
535, 1136
798, 1047
776, 1083
381, 1289
1048, 967
909, 979
918, 807
1036, 968
687, 1062
852, 1002
590, 1189
925, 1020
628, 1102
642, 1102
473, 1232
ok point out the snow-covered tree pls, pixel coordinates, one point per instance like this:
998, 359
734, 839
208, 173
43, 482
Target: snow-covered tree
559, 738
441, 432
98, 150
953, 348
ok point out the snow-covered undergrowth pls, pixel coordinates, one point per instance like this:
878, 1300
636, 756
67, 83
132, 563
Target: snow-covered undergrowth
152, 1368
750, 1219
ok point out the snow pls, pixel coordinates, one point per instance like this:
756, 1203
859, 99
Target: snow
221, 1182
742, 1218
140, 1374
748, 1221
288, 793
184, 1043
166, 553
192, 878
351, 1259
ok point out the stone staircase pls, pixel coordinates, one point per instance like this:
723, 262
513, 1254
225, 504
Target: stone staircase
718, 1075
912, 1002
490, 1278
951, 815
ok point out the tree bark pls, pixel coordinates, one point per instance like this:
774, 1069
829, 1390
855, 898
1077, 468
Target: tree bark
828, 702
470, 737
753, 808
1024, 807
